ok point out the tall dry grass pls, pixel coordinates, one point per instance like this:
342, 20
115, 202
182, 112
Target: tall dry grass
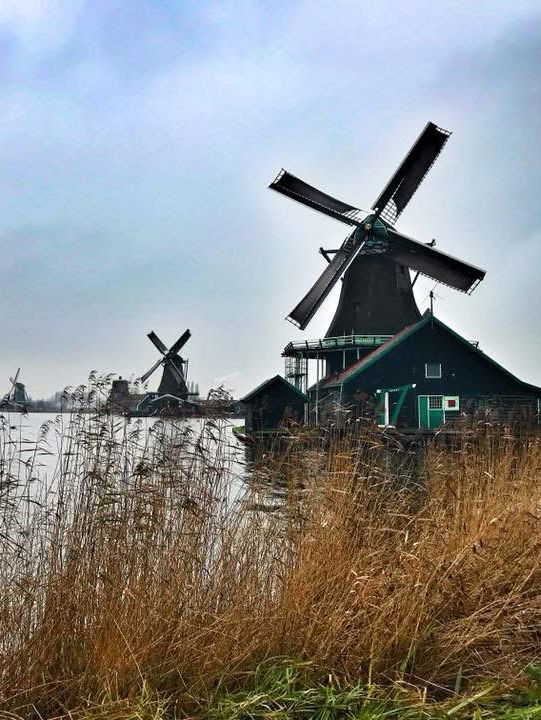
146, 562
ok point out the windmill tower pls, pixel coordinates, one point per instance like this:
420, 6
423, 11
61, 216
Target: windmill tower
175, 367
374, 261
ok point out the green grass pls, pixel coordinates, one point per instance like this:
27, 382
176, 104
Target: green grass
294, 691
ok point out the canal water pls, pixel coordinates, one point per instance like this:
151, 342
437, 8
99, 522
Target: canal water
40, 452
37, 450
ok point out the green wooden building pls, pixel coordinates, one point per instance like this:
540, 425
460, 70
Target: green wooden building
425, 375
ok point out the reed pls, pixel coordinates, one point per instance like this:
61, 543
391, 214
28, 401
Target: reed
152, 575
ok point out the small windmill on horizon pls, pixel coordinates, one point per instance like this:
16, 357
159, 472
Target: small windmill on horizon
16, 398
175, 367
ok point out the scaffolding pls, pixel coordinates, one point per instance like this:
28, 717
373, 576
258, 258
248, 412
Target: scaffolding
296, 372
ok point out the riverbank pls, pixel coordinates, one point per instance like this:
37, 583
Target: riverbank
340, 577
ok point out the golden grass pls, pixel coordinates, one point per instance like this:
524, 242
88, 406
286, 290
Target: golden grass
147, 563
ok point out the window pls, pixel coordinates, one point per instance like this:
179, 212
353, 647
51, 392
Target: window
435, 402
451, 402
433, 370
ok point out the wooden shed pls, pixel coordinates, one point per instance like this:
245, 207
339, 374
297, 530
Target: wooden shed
272, 405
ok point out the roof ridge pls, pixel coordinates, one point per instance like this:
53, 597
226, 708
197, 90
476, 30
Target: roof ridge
262, 385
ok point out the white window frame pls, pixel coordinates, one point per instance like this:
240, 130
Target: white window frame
432, 377
446, 407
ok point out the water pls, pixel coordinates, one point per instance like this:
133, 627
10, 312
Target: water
38, 449
41, 453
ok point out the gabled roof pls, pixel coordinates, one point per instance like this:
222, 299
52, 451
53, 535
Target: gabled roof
270, 381
361, 365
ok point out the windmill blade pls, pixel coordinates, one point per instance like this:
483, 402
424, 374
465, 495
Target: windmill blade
412, 171
304, 311
296, 189
146, 376
437, 265
13, 381
155, 340
183, 339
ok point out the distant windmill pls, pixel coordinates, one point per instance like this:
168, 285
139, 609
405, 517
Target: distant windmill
376, 294
16, 396
173, 380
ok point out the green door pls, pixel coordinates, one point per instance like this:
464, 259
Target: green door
431, 413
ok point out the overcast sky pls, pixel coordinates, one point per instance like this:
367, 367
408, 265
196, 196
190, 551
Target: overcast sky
138, 138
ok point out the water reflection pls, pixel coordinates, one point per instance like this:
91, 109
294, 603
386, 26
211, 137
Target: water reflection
279, 465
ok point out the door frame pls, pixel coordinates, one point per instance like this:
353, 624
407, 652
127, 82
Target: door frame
402, 391
385, 410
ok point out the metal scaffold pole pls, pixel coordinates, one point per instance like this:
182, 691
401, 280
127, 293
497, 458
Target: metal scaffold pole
317, 390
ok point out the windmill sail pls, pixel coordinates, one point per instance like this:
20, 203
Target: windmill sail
437, 265
146, 376
297, 189
304, 311
155, 340
413, 169
183, 339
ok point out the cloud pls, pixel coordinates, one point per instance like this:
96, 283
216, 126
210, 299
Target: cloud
39, 27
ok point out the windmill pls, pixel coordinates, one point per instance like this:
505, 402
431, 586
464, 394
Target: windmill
16, 397
377, 291
173, 380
